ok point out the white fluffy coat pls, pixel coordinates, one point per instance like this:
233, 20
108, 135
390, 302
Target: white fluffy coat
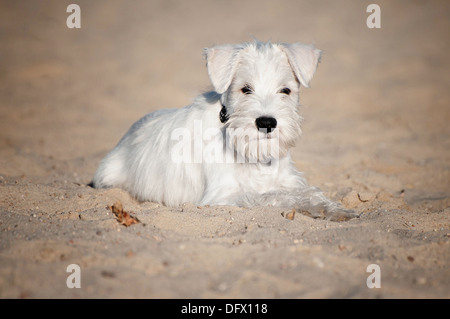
191, 155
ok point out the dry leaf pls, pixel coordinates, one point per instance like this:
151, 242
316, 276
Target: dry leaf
290, 215
123, 217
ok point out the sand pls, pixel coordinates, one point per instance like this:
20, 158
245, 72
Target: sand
375, 138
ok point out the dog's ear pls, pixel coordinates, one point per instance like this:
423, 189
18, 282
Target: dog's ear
303, 59
221, 62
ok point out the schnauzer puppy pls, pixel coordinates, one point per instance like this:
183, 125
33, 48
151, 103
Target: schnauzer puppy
230, 146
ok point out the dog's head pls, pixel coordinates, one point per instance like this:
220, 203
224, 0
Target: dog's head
259, 83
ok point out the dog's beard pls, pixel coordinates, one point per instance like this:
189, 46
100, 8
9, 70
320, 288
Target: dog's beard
251, 145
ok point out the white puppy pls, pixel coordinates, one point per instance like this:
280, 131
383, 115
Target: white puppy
230, 146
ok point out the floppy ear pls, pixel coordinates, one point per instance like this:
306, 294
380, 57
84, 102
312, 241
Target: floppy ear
221, 62
303, 59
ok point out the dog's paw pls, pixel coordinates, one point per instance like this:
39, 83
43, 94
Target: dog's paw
335, 214
340, 215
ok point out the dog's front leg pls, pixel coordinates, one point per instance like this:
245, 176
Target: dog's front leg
308, 201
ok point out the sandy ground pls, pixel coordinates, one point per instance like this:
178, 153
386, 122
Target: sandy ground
376, 137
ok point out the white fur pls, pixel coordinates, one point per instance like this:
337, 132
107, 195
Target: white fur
189, 155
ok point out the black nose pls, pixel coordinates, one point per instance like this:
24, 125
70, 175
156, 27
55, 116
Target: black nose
266, 123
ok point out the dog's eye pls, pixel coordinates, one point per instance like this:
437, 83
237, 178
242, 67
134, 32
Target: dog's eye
247, 89
286, 91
